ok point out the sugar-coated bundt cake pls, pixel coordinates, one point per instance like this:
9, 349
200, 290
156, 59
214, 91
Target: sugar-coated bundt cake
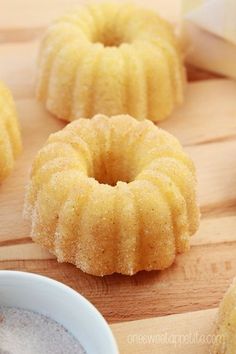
112, 59
113, 195
10, 139
225, 336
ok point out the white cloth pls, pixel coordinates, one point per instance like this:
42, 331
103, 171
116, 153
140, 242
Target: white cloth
209, 30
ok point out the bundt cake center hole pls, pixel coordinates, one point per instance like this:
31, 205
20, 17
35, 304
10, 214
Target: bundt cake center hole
111, 169
110, 42
104, 177
110, 38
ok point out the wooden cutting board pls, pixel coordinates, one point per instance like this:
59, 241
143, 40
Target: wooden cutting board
187, 333
205, 125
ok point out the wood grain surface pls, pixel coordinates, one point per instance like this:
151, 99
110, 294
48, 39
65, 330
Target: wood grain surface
188, 333
205, 125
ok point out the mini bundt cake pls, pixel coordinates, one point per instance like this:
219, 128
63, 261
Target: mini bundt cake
113, 195
225, 336
10, 139
110, 59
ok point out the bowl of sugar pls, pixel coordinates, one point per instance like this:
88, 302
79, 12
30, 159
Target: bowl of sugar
40, 315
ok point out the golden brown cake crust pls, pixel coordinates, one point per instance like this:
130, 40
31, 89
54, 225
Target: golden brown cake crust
113, 195
10, 139
113, 59
225, 334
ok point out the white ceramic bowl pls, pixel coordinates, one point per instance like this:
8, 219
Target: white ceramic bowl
61, 303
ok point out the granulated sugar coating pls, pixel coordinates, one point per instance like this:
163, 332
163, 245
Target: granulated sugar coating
26, 332
113, 195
